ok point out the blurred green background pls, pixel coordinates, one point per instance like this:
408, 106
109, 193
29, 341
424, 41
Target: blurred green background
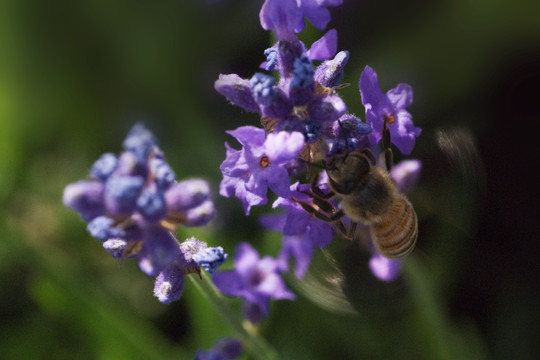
74, 77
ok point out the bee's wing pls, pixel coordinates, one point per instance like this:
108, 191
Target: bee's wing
459, 147
340, 281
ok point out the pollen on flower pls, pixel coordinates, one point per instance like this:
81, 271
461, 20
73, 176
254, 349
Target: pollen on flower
265, 162
165, 288
390, 119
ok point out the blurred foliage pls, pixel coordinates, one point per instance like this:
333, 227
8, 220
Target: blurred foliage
74, 76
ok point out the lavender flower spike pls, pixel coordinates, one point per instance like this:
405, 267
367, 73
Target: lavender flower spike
390, 106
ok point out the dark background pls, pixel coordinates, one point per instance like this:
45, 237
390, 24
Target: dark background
75, 77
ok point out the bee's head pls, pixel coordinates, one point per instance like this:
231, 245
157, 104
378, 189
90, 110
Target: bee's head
347, 170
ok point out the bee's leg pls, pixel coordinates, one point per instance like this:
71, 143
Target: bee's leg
388, 155
315, 190
326, 206
320, 194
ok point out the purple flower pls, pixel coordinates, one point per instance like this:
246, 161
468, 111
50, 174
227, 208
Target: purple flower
286, 17
254, 279
302, 231
390, 107
248, 173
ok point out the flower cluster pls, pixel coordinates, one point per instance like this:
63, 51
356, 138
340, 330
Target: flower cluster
303, 119
133, 204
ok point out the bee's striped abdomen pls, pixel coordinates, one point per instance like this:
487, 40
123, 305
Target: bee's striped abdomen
395, 235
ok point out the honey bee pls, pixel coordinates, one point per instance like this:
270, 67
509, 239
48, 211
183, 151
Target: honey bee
369, 196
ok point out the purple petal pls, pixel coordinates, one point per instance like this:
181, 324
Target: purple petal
401, 96
227, 186
385, 269
235, 164
406, 174
372, 96
321, 233
324, 48
283, 17
248, 198
297, 221
273, 286
316, 13
273, 221
299, 248
283, 146
279, 182
403, 132
248, 136
245, 258
228, 282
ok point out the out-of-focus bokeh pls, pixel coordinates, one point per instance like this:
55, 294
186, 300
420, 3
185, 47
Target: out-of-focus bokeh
75, 76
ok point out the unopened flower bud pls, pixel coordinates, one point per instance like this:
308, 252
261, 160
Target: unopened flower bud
85, 197
237, 91
104, 167
140, 141
116, 247
121, 193
200, 215
102, 228
151, 205
162, 172
210, 258
330, 72
187, 194
170, 284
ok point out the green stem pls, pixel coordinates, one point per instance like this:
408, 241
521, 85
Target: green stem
255, 344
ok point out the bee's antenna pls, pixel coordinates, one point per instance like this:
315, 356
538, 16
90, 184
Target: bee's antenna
388, 155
